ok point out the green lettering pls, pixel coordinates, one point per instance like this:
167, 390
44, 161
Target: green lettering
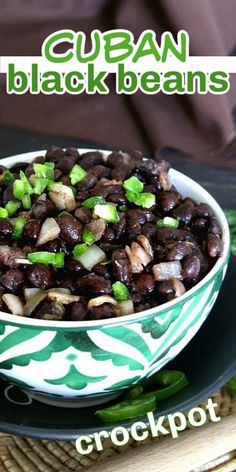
17, 81
174, 84
80, 44
126, 80
52, 84
74, 82
123, 44
150, 82
34, 79
196, 82
146, 46
95, 83
53, 40
171, 47
220, 81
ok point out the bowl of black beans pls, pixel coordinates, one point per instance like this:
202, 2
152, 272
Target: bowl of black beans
109, 264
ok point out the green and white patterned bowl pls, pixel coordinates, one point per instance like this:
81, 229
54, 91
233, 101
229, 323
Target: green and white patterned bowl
80, 363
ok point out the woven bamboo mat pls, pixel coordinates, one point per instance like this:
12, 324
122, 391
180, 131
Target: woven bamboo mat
18, 454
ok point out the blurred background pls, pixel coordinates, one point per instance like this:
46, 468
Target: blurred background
200, 127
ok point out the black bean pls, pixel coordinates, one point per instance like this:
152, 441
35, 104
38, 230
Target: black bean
102, 270
118, 198
88, 182
32, 229
214, 226
184, 213
65, 180
166, 289
66, 163
179, 250
170, 233
74, 266
48, 308
101, 312
214, 246
134, 229
149, 230
70, 228
200, 226
143, 283
40, 276
121, 172
148, 167
77, 311
168, 201
72, 151
101, 171
191, 268
90, 159
116, 159
56, 245
8, 194
138, 216
12, 279
122, 269
54, 153
83, 214
204, 211
43, 208
120, 227
94, 285
108, 235
5, 228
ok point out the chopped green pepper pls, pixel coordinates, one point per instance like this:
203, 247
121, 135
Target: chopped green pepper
133, 184
28, 188
168, 222
44, 257
8, 177
88, 237
19, 227
40, 185
127, 409
18, 189
92, 201
121, 293
3, 213
26, 202
79, 249
107, 212
231, 385
12, 207
44, 171
77, 174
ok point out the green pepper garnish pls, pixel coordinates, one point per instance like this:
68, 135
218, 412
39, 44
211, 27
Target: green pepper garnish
77, 174
171, 381
120, 291
127, 409
92, 201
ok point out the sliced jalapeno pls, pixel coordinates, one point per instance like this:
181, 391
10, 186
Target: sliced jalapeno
171, 381
127, 409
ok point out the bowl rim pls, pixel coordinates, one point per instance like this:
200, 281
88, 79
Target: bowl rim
134, 317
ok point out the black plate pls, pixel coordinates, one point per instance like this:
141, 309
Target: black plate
209, 361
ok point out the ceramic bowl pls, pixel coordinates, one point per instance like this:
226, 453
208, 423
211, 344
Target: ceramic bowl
81, 363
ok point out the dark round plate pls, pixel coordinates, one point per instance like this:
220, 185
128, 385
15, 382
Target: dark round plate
209, 361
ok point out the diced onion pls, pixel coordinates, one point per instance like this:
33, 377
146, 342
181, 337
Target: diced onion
29, 292
101, 300
125, 308
63, 197
178, 287
165, 180
33, 302
14, 304
50, 230
167, 270
60, 297
91, 257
